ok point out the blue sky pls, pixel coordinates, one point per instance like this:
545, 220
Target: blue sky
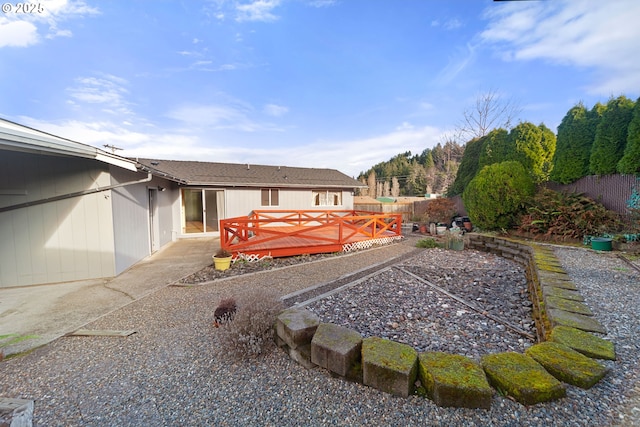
342, 84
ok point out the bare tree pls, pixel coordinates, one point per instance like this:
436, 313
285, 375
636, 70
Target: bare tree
490, 112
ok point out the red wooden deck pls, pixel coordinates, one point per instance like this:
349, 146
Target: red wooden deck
280, 233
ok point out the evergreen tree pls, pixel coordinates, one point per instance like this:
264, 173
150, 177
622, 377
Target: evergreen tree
497, 195
549, 144
534, 147
630, 162
497, 148
611, 136
468, 165
576, 133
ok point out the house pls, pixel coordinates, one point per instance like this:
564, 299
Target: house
212, 191
70, 211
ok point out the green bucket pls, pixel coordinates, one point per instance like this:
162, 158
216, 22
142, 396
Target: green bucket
601, 243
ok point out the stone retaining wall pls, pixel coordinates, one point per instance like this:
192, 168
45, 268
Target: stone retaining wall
457, 381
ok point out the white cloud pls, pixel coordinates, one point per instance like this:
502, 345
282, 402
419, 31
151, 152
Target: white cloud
458, 62
234, 116
602, 36
107, 90
351, 156
452, 24
192, 141
275, 110
321, 3
26, 29
257, 10
17, 33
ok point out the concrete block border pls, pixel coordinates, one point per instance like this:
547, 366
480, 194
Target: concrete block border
556, 303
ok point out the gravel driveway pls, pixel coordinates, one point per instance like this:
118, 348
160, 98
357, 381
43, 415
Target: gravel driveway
171, 373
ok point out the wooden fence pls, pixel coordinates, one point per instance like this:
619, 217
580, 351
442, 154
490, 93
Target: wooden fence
613, 191
404, 209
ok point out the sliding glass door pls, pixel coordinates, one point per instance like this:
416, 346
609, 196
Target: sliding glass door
202, 209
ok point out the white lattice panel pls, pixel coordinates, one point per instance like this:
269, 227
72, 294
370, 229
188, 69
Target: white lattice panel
366, 244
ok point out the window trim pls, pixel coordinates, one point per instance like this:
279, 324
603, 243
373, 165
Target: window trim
328, 195
271, 192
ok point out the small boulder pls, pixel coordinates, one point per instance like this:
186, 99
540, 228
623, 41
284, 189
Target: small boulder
567, 365
453, 380
389, 366
521, 377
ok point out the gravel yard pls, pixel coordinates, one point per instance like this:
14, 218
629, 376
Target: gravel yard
172, 371
396, 305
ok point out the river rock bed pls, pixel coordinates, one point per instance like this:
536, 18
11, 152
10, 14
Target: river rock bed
396, 305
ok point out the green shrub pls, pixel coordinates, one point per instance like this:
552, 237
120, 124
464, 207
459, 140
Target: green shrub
498, 195
427, 243
250, 333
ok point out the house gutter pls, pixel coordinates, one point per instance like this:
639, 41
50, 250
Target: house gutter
76, 194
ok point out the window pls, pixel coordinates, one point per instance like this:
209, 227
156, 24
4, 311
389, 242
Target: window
327, 198
270, 197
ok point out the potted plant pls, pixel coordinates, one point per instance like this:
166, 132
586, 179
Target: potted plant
454, 240
222, 260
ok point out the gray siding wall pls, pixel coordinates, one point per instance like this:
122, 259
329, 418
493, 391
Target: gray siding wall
241, 201
131, 222
58, 241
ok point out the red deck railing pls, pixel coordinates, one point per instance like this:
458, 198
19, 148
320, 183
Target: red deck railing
279, 233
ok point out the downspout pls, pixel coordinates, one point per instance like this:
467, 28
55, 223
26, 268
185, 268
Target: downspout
76, 194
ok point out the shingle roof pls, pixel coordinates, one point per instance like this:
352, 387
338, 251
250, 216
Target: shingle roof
227, 174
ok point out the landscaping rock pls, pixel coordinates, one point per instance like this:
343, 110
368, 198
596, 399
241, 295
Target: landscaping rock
575, 320
568, 305
296, 327
454, 381
584, 342
550, 280
16, 412
389, 366
521, 377
336, 348
562, 293
567, 365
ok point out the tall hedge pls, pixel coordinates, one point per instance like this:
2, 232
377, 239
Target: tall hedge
630, 161
498, 194
576, 133
534, 147
468, 166
611, 136
497, 148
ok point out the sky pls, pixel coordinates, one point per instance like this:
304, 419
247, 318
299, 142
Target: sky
341, 84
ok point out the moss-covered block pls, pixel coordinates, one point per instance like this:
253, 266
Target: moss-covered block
562, 293
521, 377
574, 320
452, 380
584, 342
296, 326
567, 305
389, 366
566, 364
336, 348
